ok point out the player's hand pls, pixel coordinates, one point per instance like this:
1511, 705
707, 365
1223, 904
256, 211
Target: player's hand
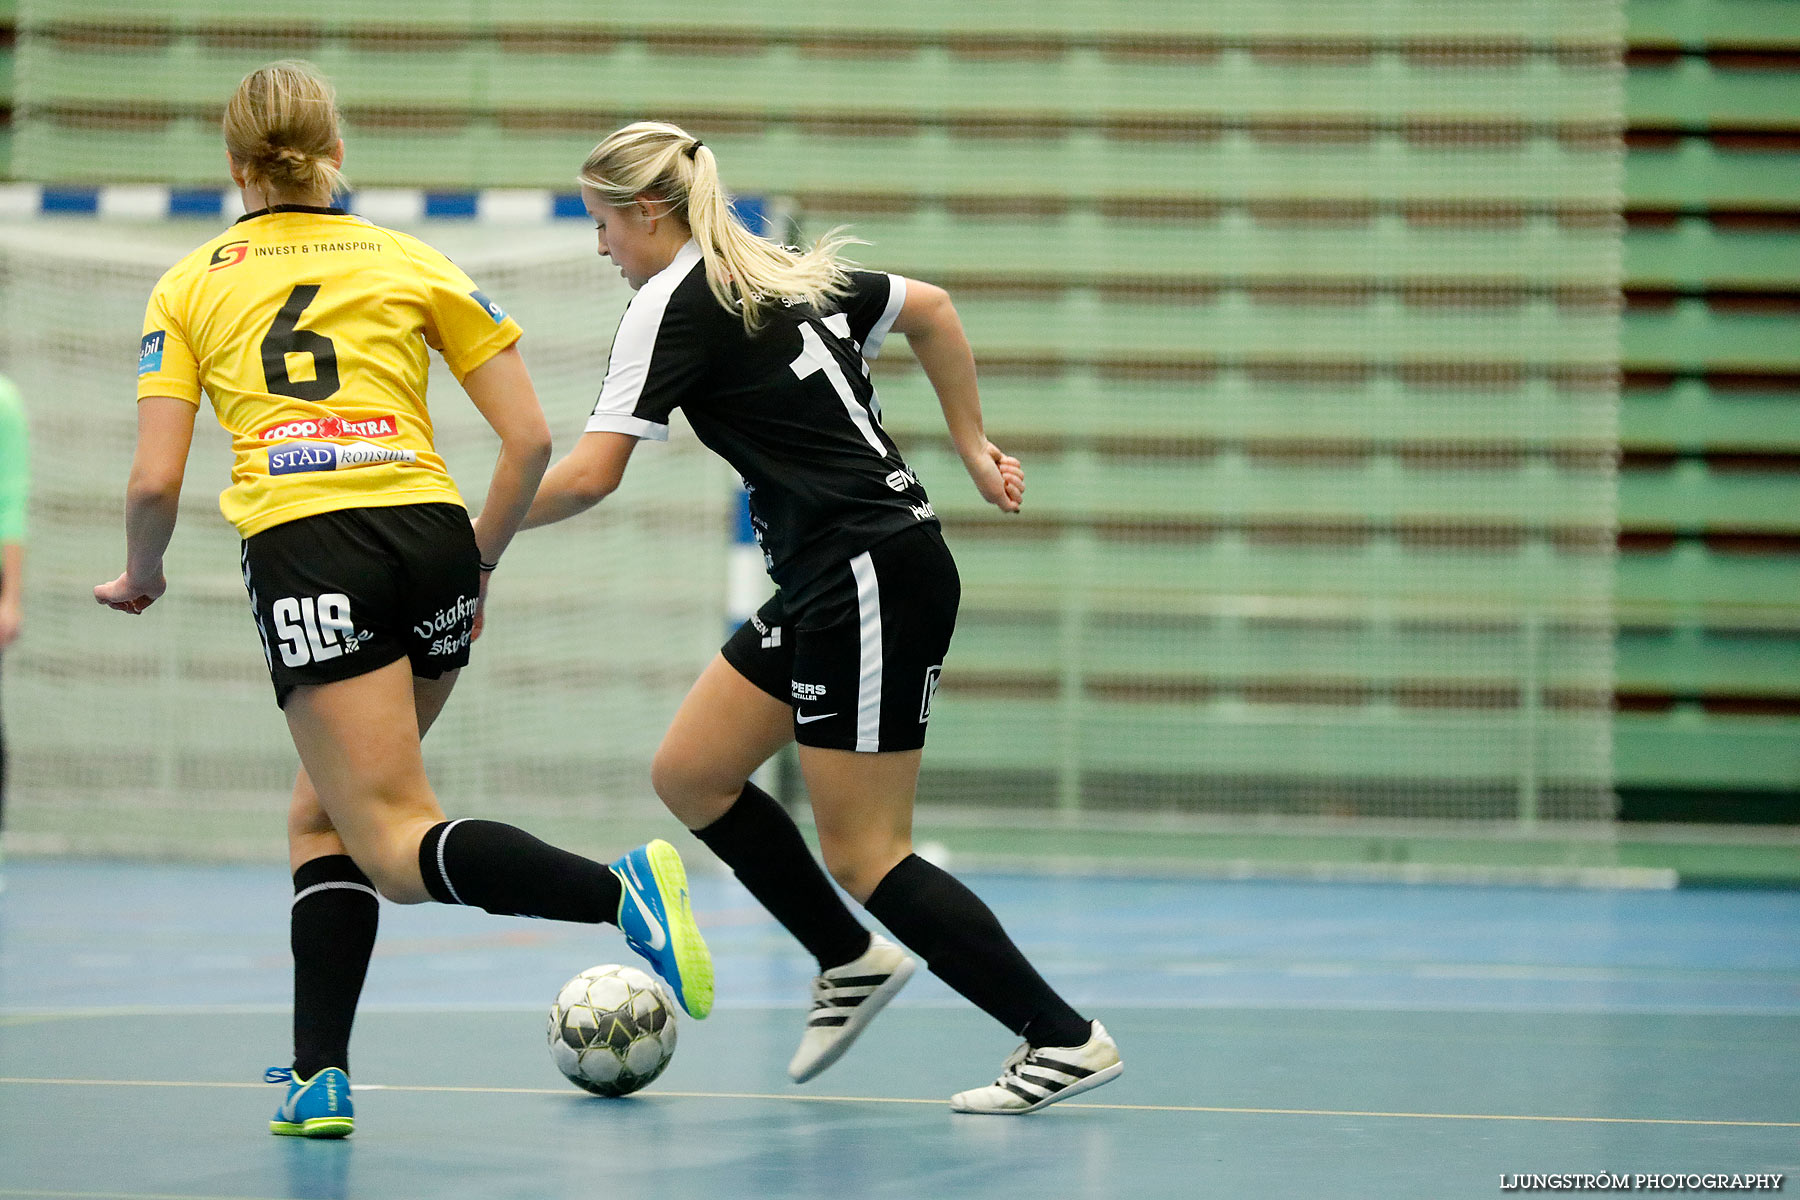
480, 608
130, 595
998, 477
12, 617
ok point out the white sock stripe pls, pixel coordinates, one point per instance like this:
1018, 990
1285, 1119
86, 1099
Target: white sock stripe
868, 684
442, 873
342, 884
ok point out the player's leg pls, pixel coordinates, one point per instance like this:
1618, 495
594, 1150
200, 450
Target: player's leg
733, 720
334, 917
863, 805
725, 729
358, 740
878, 642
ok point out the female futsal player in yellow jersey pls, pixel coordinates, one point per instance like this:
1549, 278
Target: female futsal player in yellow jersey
308, 329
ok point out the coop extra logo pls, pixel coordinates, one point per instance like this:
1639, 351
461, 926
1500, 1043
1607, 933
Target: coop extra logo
330, 427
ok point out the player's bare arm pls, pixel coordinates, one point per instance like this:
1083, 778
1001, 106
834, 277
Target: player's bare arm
935, 333
586, 475
501, 389
152, 495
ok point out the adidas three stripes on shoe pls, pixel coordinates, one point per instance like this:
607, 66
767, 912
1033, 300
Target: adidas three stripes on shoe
1035, 1077
845, 1000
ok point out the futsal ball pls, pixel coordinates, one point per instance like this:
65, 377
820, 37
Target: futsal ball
612, 1029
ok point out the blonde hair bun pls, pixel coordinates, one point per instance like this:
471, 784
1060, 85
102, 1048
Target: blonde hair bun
281, 129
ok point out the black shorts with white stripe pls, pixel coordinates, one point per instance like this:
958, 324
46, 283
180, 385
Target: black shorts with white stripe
860, 662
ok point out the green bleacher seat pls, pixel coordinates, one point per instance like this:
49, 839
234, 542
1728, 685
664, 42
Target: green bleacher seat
1694, 252
1690, 415
1014, 563
1230, 243
1079, 401
1690, 660
1690, 583
1044, 21
1699, 24
1692, 93
1374, 742
785, 156
1692, 335
1080, 83
1231, 486
1693, 497
1695, 174
1695, 749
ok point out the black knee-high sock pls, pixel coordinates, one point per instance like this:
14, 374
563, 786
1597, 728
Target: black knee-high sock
505, 870
963, 943
332, 931
761, 844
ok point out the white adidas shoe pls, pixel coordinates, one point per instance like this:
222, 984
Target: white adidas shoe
845, 999
1034, 1078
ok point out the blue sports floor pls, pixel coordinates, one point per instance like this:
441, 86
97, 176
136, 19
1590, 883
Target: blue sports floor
1279, 1039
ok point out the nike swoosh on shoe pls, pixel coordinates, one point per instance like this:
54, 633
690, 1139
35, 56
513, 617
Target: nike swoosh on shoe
658, 938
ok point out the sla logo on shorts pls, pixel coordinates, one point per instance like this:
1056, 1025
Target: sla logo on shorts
493, 310
150, 353
315, 630
931, 682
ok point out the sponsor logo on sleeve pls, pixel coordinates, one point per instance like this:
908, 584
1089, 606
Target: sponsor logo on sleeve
150, 352
294, 458
493, 310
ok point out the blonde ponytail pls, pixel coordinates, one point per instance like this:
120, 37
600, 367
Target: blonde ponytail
746, 273
281, 128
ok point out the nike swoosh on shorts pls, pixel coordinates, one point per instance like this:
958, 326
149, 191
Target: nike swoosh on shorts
803, 719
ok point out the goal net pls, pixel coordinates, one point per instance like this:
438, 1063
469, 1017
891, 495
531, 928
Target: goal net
159, 734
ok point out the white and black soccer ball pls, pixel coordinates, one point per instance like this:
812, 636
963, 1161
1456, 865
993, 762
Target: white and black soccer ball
612, 1029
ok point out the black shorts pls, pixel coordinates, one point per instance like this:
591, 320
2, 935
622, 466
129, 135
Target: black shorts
860, 663
344, 593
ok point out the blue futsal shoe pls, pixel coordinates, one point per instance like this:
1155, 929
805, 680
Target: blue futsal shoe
659, 923
316, 1108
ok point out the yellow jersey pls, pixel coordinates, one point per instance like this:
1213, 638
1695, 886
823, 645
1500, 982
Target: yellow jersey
308, 329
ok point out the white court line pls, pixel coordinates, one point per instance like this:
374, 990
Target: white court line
38, 1193
1177, 1108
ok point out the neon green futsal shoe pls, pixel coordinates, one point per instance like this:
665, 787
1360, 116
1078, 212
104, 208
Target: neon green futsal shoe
659, 923
319, 1107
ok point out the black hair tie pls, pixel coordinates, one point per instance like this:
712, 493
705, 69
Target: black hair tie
695, 148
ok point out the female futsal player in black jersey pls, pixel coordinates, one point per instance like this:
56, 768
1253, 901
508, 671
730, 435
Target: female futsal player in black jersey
308, 328
764, 349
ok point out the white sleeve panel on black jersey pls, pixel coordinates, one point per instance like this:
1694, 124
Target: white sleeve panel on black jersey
634, 398
872, 305
896, 297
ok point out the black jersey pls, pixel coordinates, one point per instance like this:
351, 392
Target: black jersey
790, 407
